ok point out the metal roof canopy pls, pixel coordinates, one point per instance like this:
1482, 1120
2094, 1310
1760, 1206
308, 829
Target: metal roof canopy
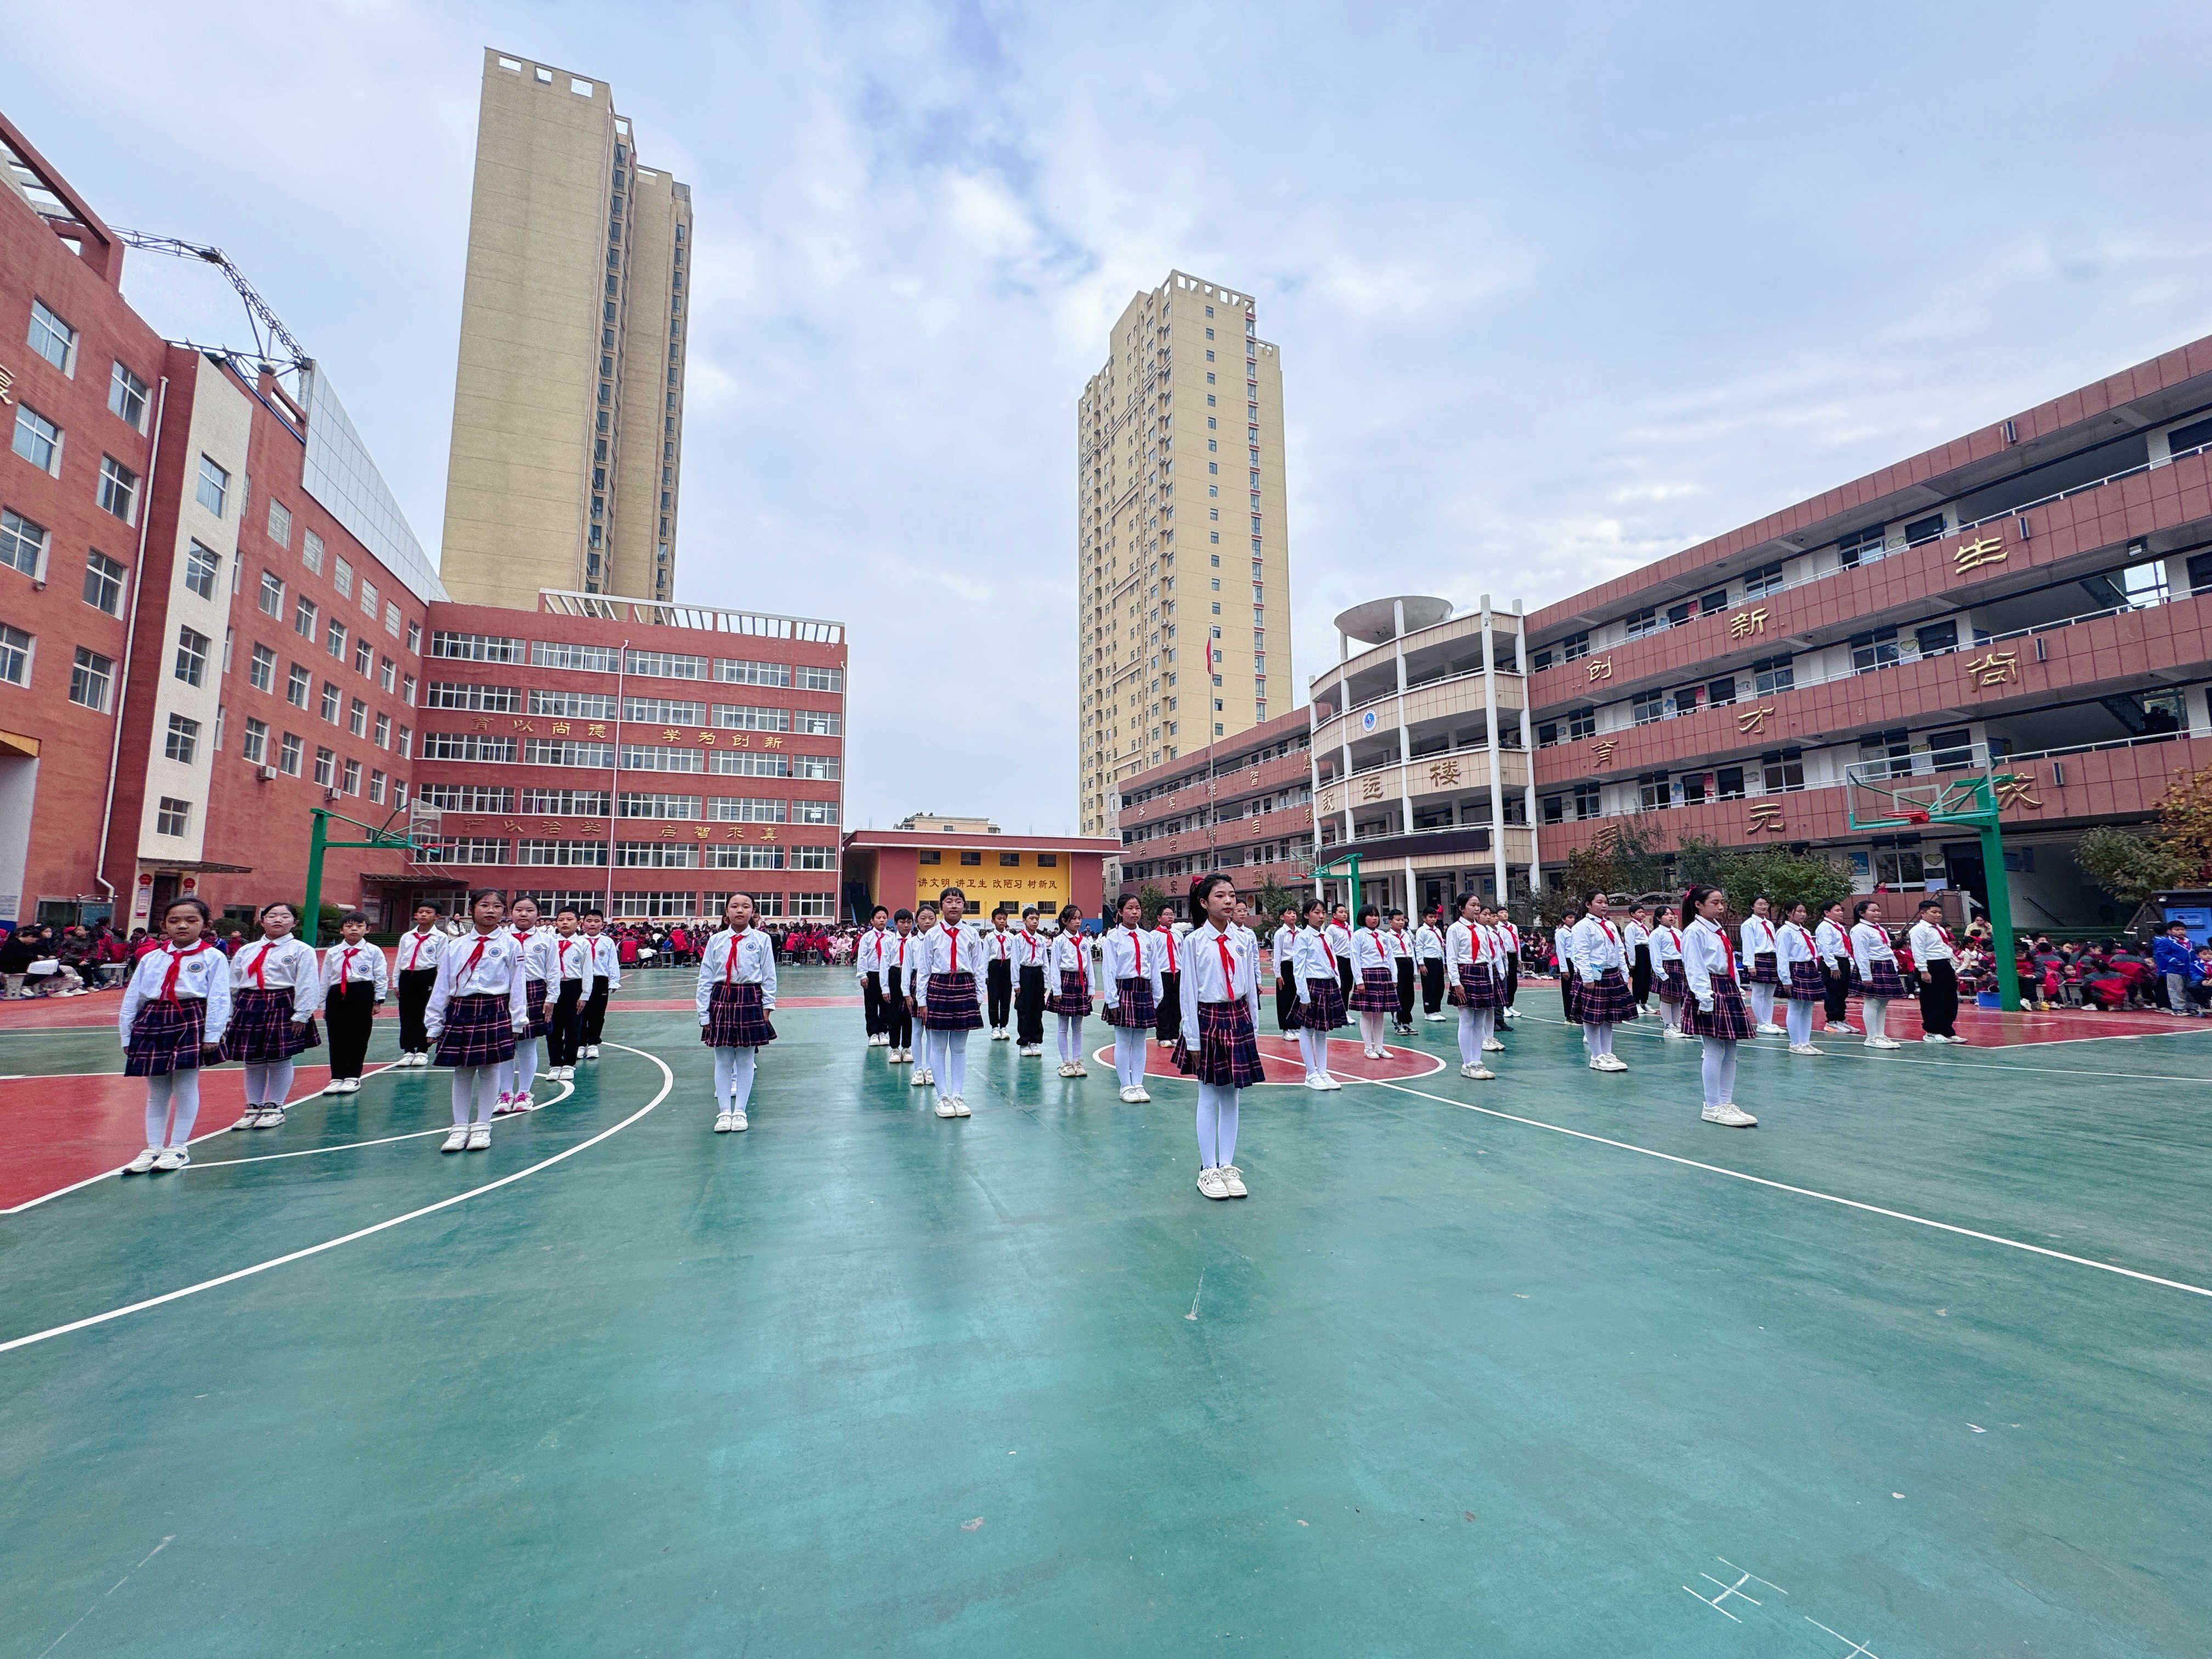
1377, 621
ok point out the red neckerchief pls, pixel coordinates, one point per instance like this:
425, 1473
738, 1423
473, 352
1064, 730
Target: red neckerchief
176, 966
260, 957
1727, 956
1609, 933
1228, 969
1168, 934
1000, 936
414, 955
1768, 925
345, 964
1325, 950
955, 938
902, 939
730, 962
561, 951
475, 956
1136, 944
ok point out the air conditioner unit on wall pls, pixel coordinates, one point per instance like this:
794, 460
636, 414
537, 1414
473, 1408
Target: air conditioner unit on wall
268, 774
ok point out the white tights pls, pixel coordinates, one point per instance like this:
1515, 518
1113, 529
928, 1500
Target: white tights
476, 1085
172, 1091
1216, 1125
1070, 1039
1598, 1039
1762, 1003
268, 1085
1876, 1010
1129, 1054
1313, 1046
1720, 1071
734, 1077
1474, 1032
945, 1052
517, 1075
1800, 1018
1671, 1014
1371, 1029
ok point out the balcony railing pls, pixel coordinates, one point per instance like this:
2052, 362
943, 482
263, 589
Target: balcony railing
1412, 686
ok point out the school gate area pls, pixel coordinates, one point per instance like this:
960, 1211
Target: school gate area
1540, 1366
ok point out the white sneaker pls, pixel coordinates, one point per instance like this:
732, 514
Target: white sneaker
1439, 1016
172, 1157
1211, 1183
1883, 1043
248, 1119
1675, 1033
335, 1086
143, 1161
1469, 1068
1128, 1097
272, 1117
737, 1122
456, 1139
919, 1080
722, 1124
944, 1108
593, 1053
1482, 1074
1930, 1037
1328, 1082
1233, 1178
1839, 1030
1729, 1117
1492, 1046
1610, 1063
1802, 1048
479, 1136
1140, 1096
1316, 1084
1770, 1029
959, 1107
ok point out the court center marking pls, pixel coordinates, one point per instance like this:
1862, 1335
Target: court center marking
667, 1082
1735, 1589
1801, 1192
566, 1089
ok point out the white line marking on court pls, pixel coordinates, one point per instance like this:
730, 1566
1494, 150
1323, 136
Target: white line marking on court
566, 1089
1802, 1191
1856, 1648
112, 1588
1735, 1589
1195, 1294
667, 1082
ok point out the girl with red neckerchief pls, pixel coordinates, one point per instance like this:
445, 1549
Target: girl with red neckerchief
175, 1011
274, 989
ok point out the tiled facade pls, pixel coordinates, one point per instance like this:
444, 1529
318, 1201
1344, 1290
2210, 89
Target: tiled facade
1242, 804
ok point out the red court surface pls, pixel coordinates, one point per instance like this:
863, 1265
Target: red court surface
99, 1008
1279, 1061
58, 1131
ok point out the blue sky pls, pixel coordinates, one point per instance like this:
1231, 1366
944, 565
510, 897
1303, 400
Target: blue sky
1560, 290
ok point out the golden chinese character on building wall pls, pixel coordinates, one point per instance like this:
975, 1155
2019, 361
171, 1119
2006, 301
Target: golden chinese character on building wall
772, 743
1748, 721
2017, 789
597, 729
7, 380
1442, 773
1601, 669
1745, 624
670, 734
1370, 789
1998, 668
1765, 814
1602, 753
525, 725
560, 728
1985, 549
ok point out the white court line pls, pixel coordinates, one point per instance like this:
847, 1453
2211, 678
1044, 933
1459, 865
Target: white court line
566, 1089
1801, 1192
667, 1082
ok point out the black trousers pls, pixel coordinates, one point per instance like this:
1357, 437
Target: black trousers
351, 1011
564, 1023
413, 998
1167, 1019
1433, 984
998, 991
1639, 976
898, 1019
1287, 1003
1343, 979
1512, 982
1029, 1008
1406, 979
1837, 1000
595, 1013
1939, 1000
1567, 992
871, 1002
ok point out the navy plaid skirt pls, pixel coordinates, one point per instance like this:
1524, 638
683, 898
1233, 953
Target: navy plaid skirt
1228, 1052
261, 1030
952, 1005
1479, 987
1604, 1001
1375, 992
166, 1038
535, 990
1729, 1017
1072, 998
1323, 1009
736, 1018
1881, 980
1673, 982
479, 1031
1134, 1007
1807, 983
1763, 971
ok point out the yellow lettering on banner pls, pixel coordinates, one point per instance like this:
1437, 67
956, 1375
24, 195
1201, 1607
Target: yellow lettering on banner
525, 725
706, 736
7, 380
560, 728
773, 742
597, 729
670, 734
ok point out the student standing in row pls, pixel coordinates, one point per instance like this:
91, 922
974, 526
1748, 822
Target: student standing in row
477, 1009
175, 1011
1471, 959
353, 985
1130, 977
999, 974
1403, 964
1602, 983
949, 994
1339, 932
1803, 981
1374, 982
274, 989
868, 969
1636, 936
1220, 994
1032, 961
899, 957
1429, 954
1716, 1012
735, 997
1877, 970
1492, 923
1563, 960
1069, 971
607, 976
1321, 995
570, 976
1674, 987
1935, 958
1167, 1019
1280, 949
420, 947
925, 924
1833, 946
1762, 967
1512, 933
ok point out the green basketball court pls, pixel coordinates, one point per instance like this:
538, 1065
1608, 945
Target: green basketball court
1528, 1367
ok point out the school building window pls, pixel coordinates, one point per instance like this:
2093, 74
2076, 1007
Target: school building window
666, 665
325, 762
971, 859
118, 489
931, 855
334, 639
561, 851
591, 658
22, 543
53, 338
295, 686
192, 656
303, 617
173, 817
636, 804
38, 440
127, 397
349, 777
1047, 860
542, 751
821, 679
467, 746
329, 704
746, 718
90, 677
376, 786
362, 657
813, 857
567, 803
814, 812
654, 855
103, 584
253, 746
1772, 674
182, 742
639, 757
1010, 861
816, 723
311, 550
465, 850
812, 766
1581, 723
213, 489
650, 711
288, 755
744, 857
357, 718
745, 809
471, 798
736, 672
475, 647
15, 655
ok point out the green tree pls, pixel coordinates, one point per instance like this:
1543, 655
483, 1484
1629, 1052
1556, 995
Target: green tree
1150, 901
2184, 827
2131, 866
1774, 873
1272, 901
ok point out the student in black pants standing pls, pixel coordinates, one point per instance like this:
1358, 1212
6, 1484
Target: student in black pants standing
1286, 984
899, 952
572, 975
605, 963
420, 947
998, 976
354, 980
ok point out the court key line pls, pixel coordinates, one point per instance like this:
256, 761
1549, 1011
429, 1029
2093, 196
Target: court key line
1802, 1191
667, 1082
567, 1090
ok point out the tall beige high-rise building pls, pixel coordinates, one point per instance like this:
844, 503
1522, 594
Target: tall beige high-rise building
1182, 559
568, 403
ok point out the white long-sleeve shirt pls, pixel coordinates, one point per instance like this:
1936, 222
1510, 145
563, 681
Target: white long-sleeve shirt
1793, 943
735, 958
284, 965
1563, 946
1468, 943
1170, 948
1830, 944
1130, 954
1280, 947
1371, 949
902, 952
1429, 942
570, 958
420, 949
1204, 979
354, 965
1512, 945
465, 971
202, 971
1930, 943
1069, 955
999, 946
1633, 933
1869, 944
535, 953
868, 953
1596, 946
1666, 945
1031, 950
946, 949
1340, 940
606, 962
1758, 936
1312, 958
1706, 957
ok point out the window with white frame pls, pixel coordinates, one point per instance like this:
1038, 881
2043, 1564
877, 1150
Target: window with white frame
22, 543
304, 615
342, 576
261, 668
742, 672
53, 338
253, 745
173, 817
468, 798
349, 777
644, 758
816, 723
296, 685
467, 746
591, 658
558, 852
103, 583
38, 440
645, 804
658, 711
280, 523
745, 809
91, 678
193, 648
814, 812
666, 665
655, 855
326, 761
311, 551
213, 489
573, 705
567, 803
127, 397
203, 570
15, 655
488, 699
475, 647
553, 752
181, 743
288, 755
747, 719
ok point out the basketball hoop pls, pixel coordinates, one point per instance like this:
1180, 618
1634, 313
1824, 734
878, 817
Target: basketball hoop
1915, 815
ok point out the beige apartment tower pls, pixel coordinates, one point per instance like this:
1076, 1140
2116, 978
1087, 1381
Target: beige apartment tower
1182, 561
569, 402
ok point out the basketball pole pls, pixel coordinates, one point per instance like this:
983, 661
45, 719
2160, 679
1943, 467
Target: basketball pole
1999, 883
318, 843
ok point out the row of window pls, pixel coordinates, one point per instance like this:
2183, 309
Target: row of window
630, 804
650, 711
628, 855
972, 859
483, 747
655, 664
